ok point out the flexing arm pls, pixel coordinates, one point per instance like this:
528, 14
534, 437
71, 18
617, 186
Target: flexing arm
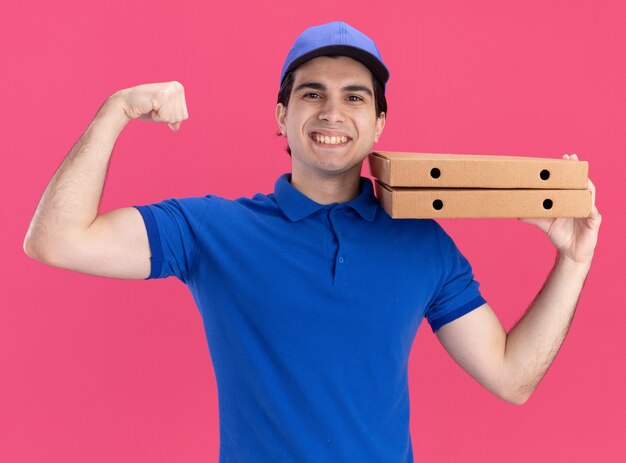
512, 365
66, 230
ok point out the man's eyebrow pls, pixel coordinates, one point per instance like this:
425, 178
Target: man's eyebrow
313, 85
322, 87
357, 88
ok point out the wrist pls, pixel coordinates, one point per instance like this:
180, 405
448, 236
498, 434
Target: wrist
576, 265
116, 104
113, 111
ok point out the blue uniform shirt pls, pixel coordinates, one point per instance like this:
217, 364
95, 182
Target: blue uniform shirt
310, 312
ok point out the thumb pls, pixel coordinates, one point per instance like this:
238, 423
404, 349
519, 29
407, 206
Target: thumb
174, 126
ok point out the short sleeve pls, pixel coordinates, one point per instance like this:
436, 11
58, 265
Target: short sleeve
458, 291
173, 227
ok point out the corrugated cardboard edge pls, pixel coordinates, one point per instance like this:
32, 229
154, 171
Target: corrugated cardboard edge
405, 203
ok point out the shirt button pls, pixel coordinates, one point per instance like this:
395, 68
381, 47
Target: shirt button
341, 260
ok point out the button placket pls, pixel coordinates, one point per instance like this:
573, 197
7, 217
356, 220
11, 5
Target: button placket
340, 258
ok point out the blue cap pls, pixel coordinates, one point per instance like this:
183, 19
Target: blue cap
335, 38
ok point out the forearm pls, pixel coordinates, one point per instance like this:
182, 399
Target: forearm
534, 341
70, 202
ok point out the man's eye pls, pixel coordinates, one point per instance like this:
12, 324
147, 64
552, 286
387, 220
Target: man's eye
311, 94
358, 98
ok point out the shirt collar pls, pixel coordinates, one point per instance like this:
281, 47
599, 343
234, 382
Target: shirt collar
296, 205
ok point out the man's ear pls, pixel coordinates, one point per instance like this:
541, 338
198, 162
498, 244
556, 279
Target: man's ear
281, 118
380, 125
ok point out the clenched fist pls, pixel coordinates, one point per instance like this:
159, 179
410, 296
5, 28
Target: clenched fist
158, 102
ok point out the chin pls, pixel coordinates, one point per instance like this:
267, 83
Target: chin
337, 166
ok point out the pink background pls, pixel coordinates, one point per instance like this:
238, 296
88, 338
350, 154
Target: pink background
101, 370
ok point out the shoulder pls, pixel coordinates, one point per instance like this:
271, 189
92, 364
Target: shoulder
221, 210
259, 204
213, 201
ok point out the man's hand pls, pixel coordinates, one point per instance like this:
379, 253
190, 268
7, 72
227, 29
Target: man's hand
574, 239
158, 102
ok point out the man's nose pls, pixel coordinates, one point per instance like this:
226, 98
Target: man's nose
331, 111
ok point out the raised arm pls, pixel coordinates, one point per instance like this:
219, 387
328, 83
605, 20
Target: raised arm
66, 230
512, 365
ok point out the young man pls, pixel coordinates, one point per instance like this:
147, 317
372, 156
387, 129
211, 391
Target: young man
309, 339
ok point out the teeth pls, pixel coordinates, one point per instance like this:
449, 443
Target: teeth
330, 140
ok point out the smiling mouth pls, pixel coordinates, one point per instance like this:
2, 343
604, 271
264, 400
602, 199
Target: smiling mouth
329, 140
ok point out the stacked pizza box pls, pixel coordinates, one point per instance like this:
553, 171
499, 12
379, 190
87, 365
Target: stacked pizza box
431, 185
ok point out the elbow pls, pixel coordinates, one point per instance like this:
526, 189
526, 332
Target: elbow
35, 243
516, 389
513, 392
28, 250
31, 250
27, 245
518, 397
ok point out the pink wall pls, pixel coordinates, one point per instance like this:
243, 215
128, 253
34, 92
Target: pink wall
100, 370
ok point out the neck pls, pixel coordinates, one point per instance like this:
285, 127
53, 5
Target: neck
336, 188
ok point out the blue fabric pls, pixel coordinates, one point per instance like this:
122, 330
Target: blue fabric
310, 312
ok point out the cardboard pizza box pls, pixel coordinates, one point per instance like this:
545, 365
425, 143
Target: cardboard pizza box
432, 170
403, 203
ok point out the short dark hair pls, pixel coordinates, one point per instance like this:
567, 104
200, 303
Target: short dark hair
285, 92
